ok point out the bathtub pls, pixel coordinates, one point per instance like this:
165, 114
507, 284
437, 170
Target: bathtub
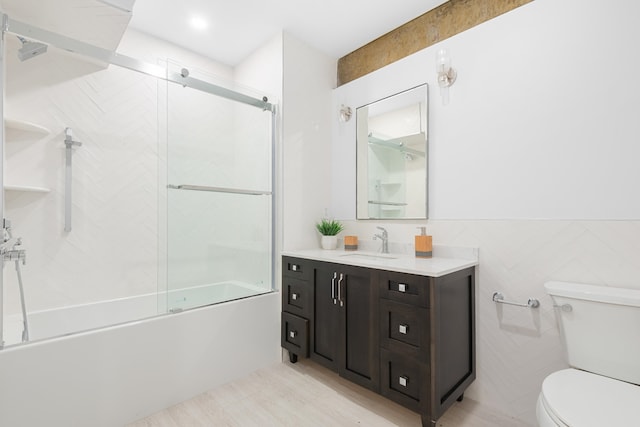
67, 320
113, 375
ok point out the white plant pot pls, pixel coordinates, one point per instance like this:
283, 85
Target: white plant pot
329, 242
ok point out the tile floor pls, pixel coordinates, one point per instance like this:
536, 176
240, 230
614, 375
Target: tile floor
307, 395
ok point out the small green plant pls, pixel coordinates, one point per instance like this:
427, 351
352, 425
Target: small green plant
329, 227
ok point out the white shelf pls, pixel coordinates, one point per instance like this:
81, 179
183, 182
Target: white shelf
26, 188
25, 126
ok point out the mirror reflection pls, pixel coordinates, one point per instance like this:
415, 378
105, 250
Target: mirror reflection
392, 157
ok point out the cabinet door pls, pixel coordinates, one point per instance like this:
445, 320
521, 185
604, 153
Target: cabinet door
359, 322
325, 332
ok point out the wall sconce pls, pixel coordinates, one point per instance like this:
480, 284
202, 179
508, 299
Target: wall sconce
446, 74
345, 113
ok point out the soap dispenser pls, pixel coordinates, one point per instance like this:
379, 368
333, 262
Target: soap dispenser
424, 244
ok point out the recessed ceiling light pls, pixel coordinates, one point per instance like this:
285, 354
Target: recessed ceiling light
198, 23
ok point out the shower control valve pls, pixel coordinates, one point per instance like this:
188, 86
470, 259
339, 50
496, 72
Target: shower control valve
19, 255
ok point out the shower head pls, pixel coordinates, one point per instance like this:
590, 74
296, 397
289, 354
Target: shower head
30, 49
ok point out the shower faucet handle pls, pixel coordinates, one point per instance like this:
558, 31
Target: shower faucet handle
68, 138
15, 255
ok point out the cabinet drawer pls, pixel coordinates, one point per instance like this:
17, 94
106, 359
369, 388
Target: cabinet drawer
295, 334
404, 380
296, 267
406, 288
297, 296
405, 328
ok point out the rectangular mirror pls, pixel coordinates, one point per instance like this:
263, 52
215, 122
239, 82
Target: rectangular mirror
392, 157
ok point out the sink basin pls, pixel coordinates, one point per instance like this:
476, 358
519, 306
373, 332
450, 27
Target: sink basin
369, 257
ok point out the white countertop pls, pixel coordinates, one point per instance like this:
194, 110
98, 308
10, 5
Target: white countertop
446, 260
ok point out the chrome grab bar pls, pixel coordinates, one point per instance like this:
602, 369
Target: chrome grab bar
218, 189
531, 302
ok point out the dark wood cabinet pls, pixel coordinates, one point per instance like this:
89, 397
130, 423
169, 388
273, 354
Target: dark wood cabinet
427, 339
409, 337
297, 307
343, 325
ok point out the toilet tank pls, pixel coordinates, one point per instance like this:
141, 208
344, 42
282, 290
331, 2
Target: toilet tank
600, 326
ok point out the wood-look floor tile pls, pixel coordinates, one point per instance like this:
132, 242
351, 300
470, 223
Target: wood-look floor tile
307, 395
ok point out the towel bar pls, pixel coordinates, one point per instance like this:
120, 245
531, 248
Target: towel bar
531, 302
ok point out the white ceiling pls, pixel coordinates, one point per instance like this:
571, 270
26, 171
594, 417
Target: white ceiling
238, 27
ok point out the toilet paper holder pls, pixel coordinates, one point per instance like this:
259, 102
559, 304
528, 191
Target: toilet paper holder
531, 302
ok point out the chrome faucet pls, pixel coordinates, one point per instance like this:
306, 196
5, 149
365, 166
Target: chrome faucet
9, 250
385, 239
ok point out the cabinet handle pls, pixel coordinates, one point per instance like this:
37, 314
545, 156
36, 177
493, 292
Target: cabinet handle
333, 288
294, 296
340, 289
402, 287
294, 267
403, 381
403, 329
293, 334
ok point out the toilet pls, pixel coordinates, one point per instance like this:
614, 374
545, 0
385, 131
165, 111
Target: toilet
600, 327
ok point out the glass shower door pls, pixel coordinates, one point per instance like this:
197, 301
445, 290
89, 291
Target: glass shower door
219, 198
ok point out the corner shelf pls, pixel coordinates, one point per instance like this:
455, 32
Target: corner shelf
26, 188
25, 126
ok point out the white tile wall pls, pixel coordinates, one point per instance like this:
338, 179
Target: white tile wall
112, 250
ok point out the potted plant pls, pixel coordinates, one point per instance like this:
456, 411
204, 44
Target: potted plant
329, 228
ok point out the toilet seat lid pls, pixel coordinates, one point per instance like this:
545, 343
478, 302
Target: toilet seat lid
579, 398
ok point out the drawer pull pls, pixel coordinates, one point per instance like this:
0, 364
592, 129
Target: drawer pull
403, 381
293, 334
294, 296
294, 267
402, 287
403, 329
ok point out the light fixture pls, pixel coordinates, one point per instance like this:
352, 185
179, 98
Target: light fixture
198, 23
345, 113
446, 74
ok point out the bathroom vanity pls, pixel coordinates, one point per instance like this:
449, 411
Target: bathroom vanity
399, 326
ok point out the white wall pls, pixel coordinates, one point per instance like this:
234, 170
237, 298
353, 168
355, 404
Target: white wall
537, 125
149, 49
533, 161
264, 69
309, 76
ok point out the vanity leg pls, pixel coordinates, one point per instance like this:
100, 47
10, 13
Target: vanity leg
293, 358
427, 421
459, 399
